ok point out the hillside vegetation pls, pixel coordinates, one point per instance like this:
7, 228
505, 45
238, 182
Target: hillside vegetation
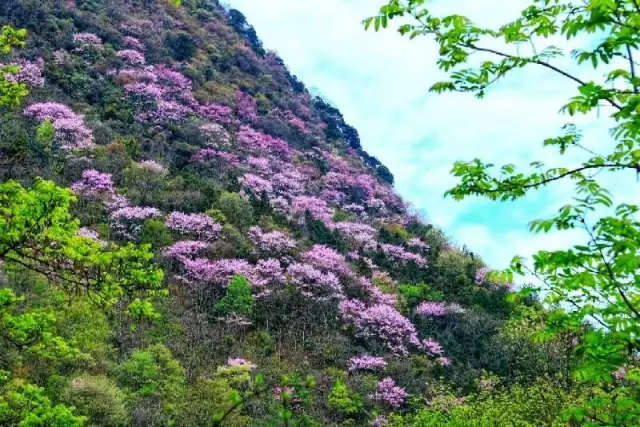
189, 238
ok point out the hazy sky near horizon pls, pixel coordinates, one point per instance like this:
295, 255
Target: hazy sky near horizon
380, 82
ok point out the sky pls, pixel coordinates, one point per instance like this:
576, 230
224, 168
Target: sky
380, 83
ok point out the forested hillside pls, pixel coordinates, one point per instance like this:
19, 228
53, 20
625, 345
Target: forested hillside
190, 238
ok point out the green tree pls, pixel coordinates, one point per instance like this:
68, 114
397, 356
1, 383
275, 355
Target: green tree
11, 92
239, 299
595, 282
23, 404
99, 399
238, 211
37, 232
343, 401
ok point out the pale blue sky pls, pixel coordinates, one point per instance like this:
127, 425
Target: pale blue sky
379, 82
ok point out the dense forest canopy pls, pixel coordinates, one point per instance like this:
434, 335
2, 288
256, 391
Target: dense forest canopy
188, 237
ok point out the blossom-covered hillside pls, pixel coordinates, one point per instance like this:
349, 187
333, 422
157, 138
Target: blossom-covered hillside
285, 248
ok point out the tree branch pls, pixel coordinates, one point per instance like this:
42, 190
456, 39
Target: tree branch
610, 272
503, 187
633, 70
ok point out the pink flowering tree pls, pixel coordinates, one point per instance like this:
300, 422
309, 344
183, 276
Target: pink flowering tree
328, 260
185, 249
317, 208
380, 323
388, 393
94, 185
131, 57
71, 134
28, 73
272, 243
246, 106
200, 226
87, 43
367, 363
313, 284
127, 221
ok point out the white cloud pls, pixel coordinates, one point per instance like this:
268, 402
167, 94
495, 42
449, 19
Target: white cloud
380, 82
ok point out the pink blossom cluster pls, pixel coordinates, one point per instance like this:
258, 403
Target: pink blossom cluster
259, 164
126, 221
184, 249
131, 57
255, 142
620, 373
61, 57
238, 361
71, 132
217, 113
132, 43
431, 309
298, 123
91, 234
317, 207
362, 235
256, 185
222, 158
481, 275
93, 184
401, 255
313, 283
444, 361
199, 225
273, 242
87, 40
293, 121
267, 272
159, 93
135, 213
216, 134
139, 27
418, 244
28, 73
367, 363
382, 323
246, 106
219, 272
481, 279
375, 294
432, 347
289, 183
328, 260
437, 309
166, 111
389, 393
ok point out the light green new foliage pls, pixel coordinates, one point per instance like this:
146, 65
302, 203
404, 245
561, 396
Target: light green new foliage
37, 232
31, 330
342, 400
598, 281
239, 299
540, 404
153, 372
25, 405
10, 92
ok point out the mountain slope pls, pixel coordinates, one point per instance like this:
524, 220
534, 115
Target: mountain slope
174, 127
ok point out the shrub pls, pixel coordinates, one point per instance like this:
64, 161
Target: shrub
343, 401
239, 299
99, 399
238, 211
